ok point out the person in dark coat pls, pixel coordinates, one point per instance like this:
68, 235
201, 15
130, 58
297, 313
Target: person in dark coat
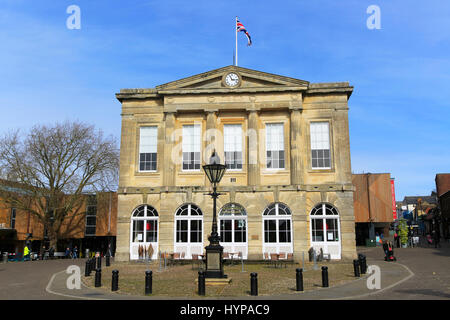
397, 238
436, 239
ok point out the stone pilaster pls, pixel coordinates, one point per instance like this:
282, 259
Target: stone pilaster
297, 167
169, 167
253, 174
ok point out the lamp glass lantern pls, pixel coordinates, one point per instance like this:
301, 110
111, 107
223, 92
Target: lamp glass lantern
214, 251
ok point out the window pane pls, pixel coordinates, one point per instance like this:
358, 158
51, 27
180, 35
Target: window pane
317, 229
270, 233
239, 230
332, 230
138, 231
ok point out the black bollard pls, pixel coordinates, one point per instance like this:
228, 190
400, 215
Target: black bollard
356, 267
325, 277
148, 281
108, 262
115, 280
90, 266
99, 262
362, 263
98, 277
87, 269
254, 284
201, 283
93, 266
365, 264
299, 278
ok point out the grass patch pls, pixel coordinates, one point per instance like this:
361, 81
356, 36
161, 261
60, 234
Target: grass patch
179, 280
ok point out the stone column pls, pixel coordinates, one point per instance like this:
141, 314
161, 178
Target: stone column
211, 143
169, 167
253, 160
295, 142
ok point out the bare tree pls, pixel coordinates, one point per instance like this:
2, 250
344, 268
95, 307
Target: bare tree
48, 171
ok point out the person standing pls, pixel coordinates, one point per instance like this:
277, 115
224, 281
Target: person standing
75, 253
397, 239
26, 253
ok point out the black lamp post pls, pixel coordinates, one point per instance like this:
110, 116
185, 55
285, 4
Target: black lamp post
214, 266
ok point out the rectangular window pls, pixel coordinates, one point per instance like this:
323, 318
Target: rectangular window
138, 231
240, 231
232, 140
225, 231
270, 231
191, 147
148, 142
152, 231
182, 231
91, 220
317, 229
284, 230
196, 230
320, 145
275, 145
13, 218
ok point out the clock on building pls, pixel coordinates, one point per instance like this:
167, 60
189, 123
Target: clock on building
232, 79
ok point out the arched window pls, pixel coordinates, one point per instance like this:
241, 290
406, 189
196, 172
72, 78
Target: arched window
324, 223
233, 223
188, 230
325, 229
144, 232
277, 223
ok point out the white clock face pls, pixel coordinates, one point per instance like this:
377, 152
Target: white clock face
232, 79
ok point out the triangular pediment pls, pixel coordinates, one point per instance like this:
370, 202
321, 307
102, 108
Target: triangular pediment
249, 79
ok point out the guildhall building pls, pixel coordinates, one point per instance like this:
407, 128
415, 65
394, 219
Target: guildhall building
285, 143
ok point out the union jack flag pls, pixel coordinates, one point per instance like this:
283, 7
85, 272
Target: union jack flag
240, 27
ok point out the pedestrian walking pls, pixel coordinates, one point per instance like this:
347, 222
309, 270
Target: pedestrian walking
26, 253
67, 254
75, 253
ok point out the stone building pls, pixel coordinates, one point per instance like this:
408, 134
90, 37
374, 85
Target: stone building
285, 141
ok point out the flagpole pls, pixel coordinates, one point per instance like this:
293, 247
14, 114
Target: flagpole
235, 27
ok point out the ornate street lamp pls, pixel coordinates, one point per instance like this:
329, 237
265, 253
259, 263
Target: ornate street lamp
214, 266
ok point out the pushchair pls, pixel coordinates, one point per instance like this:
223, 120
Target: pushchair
429, 240
389, 252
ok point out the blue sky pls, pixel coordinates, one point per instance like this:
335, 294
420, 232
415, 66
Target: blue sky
399, 114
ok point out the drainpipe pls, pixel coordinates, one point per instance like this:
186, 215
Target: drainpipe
371, 225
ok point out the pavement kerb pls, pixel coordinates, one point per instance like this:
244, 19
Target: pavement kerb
411, 274
67, 295
287, 296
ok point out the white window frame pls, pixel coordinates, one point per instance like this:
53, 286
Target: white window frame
232, 142
325, 244
189, 217
275, 247
148, 144
145, 218
233, 246
194, 142
272, 140
320, 140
